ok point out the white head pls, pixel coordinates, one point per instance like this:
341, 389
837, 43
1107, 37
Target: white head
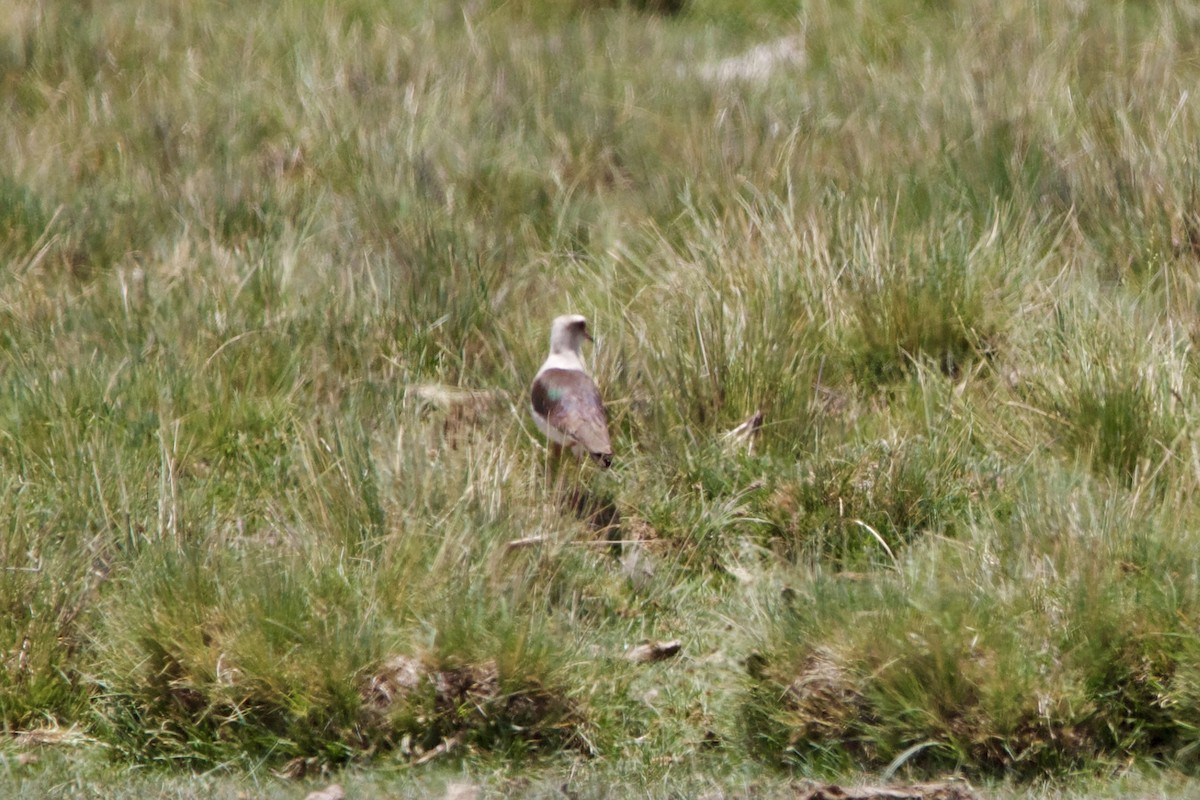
567, 334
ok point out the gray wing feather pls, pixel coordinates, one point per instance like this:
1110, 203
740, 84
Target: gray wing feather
571, 403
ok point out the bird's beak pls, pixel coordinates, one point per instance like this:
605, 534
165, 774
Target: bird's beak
588, 335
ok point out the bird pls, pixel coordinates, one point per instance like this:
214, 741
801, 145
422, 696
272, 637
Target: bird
565, 402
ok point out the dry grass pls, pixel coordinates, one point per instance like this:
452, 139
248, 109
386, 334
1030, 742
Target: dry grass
278, 278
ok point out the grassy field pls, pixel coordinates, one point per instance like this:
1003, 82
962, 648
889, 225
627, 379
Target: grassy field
276, 277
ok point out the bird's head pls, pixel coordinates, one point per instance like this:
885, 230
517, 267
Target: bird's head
567, 333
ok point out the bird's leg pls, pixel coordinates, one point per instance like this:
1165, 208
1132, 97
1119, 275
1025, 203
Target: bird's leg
554, 457
562, 476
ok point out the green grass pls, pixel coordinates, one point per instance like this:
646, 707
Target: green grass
948, 250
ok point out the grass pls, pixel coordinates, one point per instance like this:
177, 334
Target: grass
277, 280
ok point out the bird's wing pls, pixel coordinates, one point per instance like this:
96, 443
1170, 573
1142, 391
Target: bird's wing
570, 402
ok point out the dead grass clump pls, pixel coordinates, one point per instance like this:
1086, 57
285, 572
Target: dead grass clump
812, 712
394, 682
920, 791
465, 689
428, 711
462, 411
822, 701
